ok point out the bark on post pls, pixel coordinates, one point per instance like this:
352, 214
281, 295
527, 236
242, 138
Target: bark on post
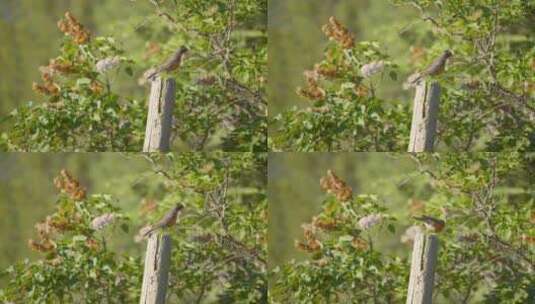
155, 276
160, 115
422, 278
424, 117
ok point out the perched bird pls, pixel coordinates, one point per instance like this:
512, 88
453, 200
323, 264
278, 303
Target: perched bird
433, 69
171, 64
431, 223
168, 220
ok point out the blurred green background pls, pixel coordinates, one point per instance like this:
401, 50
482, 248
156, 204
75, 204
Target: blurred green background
28, 194
295, 195
296, 41
29, 37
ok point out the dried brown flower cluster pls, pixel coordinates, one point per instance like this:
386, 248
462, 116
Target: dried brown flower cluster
311, 243
335, 30
55, 66
65, 182
44, 230
64, 220
324, 224
416, 207
361, 90
417, 54
148, 206
45, 245
63, 224
359, 243
96, 87
152, 49
61, 66
48, 227
49, 87
93, 244
70, 26
326, 71
334, 185
313, 90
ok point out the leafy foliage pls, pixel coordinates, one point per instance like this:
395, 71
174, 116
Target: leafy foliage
487, 91
220, 100
218, 252
484, 254
345, 114
80, 112
345, 266
221, 97
76, 263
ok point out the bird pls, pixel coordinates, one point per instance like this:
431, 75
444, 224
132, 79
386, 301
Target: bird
431, 223
171, 64
168, 220
435, 68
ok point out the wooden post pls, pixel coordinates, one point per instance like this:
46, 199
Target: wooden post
155, 276
160, 116
422, 278
424, 117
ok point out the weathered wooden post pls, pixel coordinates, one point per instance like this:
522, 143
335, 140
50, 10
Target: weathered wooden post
155, 275
424, 117
160, 115
422, 277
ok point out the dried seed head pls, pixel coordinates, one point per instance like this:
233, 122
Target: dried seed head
71, 27
65, 182
336, 31
335, 185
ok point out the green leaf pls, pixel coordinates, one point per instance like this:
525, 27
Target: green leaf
83, 81
391, 228
79, 237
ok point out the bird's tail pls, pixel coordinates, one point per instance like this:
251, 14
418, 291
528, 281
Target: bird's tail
152, 76
412, 81
151, 230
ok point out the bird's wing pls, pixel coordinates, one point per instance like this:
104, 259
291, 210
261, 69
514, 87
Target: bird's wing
434, 67
168, 217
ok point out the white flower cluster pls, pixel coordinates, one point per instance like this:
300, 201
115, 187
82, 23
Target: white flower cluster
372, 68
107, 64
369, 221
102, 221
